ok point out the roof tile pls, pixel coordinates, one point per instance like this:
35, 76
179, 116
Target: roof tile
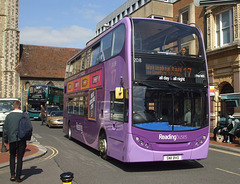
44, 61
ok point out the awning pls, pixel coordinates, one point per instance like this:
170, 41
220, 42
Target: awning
215, 2
230, 96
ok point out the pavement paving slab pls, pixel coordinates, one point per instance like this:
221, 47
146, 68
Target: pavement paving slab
33, 150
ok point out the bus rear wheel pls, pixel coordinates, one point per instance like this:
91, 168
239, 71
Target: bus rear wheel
102, 145
69, 132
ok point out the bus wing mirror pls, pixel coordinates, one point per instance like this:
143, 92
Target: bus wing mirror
119, 93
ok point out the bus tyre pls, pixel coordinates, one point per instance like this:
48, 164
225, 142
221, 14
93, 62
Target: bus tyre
102, 146
69, 132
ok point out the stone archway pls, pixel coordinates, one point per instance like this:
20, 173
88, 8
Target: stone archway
50, 83
225, 87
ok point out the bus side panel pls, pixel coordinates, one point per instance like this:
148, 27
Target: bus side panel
116, 74
77, 127
83, 129
116, 140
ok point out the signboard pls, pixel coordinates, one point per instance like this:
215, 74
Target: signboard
92, 104
85, 82
92, 80
76, 84
162, 70
96, 79
212, 91
70, 87
170, 70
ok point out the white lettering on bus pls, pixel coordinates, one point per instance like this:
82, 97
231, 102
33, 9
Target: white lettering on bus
171, 137
137, 60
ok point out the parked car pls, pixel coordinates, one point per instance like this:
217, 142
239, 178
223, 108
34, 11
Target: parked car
49, 109
55, 119
5, 108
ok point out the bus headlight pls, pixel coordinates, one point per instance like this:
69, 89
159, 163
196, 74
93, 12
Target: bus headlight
142, 142
200, 140
137, 139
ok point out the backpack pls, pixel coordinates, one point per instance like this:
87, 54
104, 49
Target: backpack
24, 128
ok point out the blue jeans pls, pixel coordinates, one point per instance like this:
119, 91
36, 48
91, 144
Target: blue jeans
42, 118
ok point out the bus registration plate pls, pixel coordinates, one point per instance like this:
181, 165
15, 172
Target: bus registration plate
172, 157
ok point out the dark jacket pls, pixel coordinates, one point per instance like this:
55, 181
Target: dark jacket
11, 126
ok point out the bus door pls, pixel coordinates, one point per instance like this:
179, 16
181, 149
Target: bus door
117, 118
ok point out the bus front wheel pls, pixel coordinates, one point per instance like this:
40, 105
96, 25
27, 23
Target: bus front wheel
102, 145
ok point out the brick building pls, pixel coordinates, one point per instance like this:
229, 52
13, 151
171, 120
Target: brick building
43, 65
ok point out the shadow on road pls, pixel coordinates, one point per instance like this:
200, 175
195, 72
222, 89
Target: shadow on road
156, 166
146, 166
26, 173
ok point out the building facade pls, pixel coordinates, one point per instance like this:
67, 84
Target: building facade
220, 25
218, 20
42, 65
21, 66
9, 49
176, 10
223, 52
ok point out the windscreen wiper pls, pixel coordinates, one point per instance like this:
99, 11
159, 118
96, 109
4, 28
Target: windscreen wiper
174, 85
143, 83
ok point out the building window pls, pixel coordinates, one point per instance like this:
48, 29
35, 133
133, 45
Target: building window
128, 11
133, 7
156, 17
26, 86
139, 3
184, 17
224, 28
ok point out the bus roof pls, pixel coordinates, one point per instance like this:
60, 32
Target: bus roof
7, 99
97, 38
46, 86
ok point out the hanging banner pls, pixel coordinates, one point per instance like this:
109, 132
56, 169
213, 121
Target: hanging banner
92, 104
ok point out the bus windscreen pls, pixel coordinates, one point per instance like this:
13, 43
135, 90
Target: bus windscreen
166, 38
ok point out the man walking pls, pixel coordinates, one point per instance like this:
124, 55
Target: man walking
16, 145
42, 114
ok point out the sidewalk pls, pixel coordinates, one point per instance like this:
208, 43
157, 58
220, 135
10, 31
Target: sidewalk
235, 146
33, 150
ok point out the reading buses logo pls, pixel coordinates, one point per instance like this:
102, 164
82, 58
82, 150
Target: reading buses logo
172, 137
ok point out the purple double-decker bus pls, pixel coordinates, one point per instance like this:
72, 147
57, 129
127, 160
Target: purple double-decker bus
139, 92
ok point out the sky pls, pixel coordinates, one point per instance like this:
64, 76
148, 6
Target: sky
62, 23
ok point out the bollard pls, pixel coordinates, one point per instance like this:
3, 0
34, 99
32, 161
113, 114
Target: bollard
66, 177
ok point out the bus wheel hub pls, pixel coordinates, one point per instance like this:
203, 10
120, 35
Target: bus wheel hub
103, 146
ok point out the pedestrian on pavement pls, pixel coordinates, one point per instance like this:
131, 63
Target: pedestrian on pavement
43, 114
16, 145
226, 130
222, 122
